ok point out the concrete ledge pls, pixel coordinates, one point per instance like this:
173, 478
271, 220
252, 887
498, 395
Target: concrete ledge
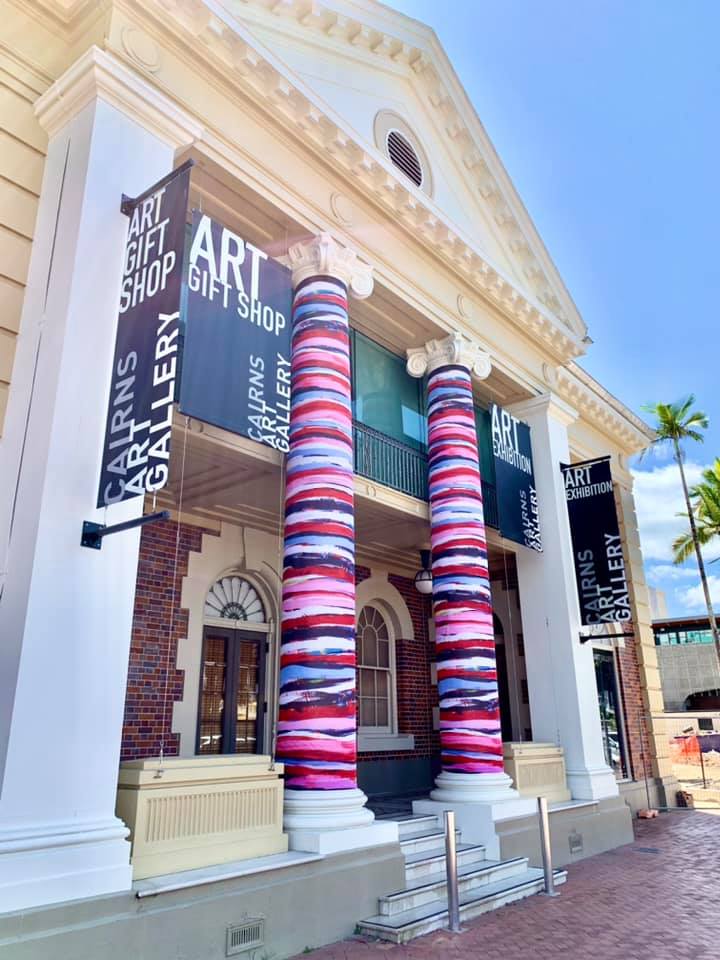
576, 831
302, 905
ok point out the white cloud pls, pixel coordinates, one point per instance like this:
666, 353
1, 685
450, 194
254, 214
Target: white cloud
658, 498
692, 599
668, 571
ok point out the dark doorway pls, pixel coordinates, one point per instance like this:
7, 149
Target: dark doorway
232, 683
503, 692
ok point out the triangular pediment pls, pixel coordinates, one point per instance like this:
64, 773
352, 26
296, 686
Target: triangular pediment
361, 59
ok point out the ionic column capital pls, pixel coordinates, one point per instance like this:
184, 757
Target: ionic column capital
322, 255
453, 349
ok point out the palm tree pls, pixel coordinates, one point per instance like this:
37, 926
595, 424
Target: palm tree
677, 422
705, 497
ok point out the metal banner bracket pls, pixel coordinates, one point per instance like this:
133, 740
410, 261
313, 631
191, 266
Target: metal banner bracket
93, 533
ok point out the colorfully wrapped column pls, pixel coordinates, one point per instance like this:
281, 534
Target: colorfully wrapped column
317, 719
471, 742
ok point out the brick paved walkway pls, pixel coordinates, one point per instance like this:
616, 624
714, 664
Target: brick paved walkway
655, 899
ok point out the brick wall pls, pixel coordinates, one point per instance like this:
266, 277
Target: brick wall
416, 696
634, 708
155, 634
153, 643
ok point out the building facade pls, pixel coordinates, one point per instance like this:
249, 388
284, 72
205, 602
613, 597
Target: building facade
274, 623
688, 663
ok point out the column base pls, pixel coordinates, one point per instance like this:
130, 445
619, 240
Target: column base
473, 788
479, 800
331, 821
595, 784
51, 863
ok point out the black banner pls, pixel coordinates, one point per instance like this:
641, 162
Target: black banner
597, 548
517, 502
236, 356
136, 453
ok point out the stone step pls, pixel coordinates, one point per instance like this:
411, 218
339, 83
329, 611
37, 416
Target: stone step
428, 862
424, 840
405, 926
417, 824
434, 887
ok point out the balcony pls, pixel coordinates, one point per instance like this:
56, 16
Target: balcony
402, 467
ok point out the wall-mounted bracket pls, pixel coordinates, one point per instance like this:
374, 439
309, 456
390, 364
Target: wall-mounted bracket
93, 533
584, 637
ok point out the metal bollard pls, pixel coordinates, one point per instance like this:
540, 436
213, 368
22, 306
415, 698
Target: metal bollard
452, 878
550, 890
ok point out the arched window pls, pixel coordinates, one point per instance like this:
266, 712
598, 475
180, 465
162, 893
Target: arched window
234, 598
376, 671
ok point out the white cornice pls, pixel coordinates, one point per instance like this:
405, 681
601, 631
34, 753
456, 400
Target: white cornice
99, 75
390, 37
600, 408
230, 49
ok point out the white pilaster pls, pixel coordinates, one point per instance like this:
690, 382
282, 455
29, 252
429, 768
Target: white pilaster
66, 611
560, 671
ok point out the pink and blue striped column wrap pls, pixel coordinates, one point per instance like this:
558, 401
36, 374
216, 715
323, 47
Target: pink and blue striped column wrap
470, 735
317, 717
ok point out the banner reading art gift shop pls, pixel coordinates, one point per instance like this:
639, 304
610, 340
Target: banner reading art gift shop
236, 356
597, 548
136, 451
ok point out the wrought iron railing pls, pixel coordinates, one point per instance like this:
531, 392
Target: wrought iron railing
390, 462
404, 468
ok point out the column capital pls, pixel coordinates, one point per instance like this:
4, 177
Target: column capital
100, 75
322, 255
549, 404
453, 349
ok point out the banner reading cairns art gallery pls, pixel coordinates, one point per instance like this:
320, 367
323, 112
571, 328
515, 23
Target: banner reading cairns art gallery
597, 547
236, 355
136, 452
517, 502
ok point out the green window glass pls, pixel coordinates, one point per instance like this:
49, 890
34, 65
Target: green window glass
484, 439
385, 396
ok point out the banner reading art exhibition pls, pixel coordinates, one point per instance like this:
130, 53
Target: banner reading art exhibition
597, 547
136, 452
236, 355
517, 502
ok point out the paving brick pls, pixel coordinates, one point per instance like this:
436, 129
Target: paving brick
627, 904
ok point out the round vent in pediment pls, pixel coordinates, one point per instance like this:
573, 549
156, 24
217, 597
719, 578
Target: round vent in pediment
402, 147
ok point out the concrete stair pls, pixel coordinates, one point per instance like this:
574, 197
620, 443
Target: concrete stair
483, 885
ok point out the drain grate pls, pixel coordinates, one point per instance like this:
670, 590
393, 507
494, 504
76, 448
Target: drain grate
244, 936
647, 849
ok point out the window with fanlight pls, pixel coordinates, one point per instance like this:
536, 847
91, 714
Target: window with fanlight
376, 669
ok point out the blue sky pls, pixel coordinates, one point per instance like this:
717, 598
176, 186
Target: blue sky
605, 114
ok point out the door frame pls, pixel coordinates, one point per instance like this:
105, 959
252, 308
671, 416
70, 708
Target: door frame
234, 635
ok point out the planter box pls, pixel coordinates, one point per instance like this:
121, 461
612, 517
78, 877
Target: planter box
196, 812
537, 770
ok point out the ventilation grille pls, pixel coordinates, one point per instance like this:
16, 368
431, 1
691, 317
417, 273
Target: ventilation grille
402, 154
244, 936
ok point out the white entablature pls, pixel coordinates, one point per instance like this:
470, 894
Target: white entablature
369, 45
218, 46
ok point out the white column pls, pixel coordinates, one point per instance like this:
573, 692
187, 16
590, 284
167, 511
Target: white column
560, 671
66, 611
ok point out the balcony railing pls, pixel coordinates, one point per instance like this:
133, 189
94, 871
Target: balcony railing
395, 464
402, 467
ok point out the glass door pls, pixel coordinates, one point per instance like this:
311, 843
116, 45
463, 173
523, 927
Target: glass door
611, 719
231, 703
